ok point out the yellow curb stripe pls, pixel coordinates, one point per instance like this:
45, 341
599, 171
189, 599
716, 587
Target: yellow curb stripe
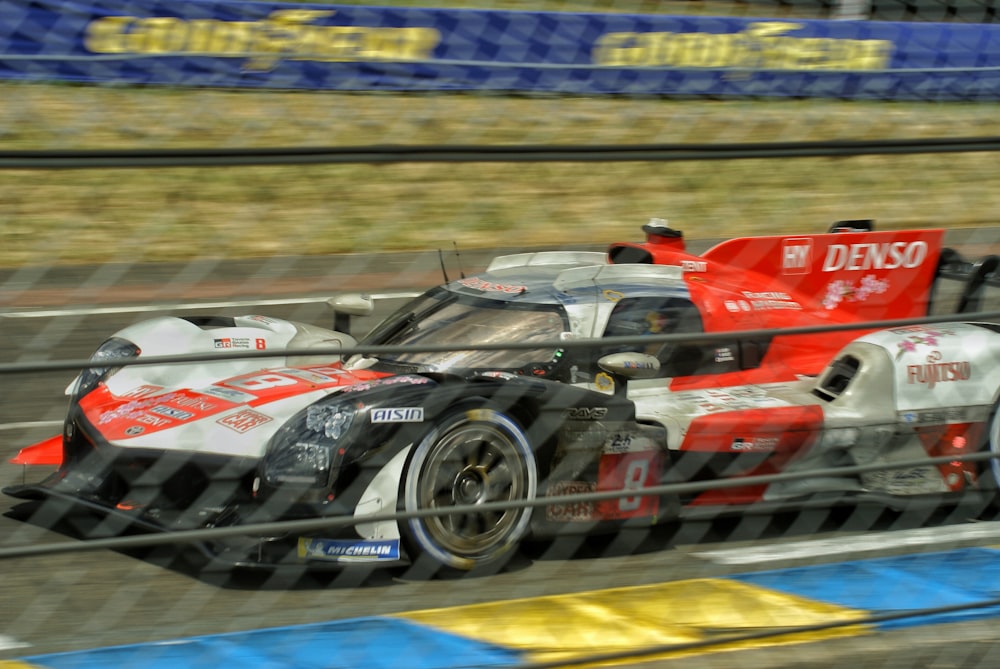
575, 626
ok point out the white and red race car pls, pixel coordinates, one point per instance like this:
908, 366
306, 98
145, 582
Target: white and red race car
639, 367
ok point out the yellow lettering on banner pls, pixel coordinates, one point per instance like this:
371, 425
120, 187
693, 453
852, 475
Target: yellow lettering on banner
201, 35
163, 36
764, 45
283, 34
106, 35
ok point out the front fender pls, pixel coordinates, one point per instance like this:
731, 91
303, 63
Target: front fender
228, 337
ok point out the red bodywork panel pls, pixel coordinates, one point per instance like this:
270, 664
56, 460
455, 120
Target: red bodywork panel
48, 452
146, 407
778, 282
842, 276
776, 434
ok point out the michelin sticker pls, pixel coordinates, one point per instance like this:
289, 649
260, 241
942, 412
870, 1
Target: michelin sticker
348, 550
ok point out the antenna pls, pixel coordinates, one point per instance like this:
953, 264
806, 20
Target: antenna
443, 270
458, 259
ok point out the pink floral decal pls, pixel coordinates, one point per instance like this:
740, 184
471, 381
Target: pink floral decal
920, 337
846, 291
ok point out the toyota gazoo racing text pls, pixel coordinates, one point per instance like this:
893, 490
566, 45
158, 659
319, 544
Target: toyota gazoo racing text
594, 398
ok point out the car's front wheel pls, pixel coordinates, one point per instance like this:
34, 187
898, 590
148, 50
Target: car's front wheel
992, 468
473, 458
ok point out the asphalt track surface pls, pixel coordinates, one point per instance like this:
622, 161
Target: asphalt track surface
74, 601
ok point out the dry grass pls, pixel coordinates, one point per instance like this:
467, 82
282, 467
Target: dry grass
181, 213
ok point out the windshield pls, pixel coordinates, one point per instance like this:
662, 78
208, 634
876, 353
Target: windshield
445, 318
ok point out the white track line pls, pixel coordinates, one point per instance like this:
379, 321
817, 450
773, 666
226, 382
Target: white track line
30, 425
985, 531
10, 643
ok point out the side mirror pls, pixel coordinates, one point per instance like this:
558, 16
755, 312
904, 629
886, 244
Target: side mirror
630, 365
347, 305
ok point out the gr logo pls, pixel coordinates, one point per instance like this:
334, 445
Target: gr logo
796, 255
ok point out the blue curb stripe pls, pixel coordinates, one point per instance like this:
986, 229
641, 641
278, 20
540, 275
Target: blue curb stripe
879, 586
373, 643
898, 584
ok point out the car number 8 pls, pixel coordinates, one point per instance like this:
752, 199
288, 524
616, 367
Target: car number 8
635, 477
263, 382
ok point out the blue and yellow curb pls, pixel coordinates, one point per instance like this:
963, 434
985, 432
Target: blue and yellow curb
824, 599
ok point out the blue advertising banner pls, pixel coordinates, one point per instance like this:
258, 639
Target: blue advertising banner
349, 48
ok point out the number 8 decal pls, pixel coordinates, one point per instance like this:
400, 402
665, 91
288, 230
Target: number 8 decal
635, 477
628, 472
263, 382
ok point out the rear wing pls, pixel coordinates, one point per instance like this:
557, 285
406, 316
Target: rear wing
851, 270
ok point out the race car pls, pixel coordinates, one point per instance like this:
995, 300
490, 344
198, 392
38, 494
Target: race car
459, 425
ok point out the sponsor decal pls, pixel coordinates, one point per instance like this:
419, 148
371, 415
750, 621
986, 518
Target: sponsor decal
762, 45
936, 371
135, 410
572, 511
142, 391
134, 430
918, 337
263, 381
151, 420
754, 444
398, 415
724, 355
732, 399
736, 306
586, 413
308, 375
496, 374
477, 283
257, 343
295, 34
847, 291
244, 420
332, 371
228, 394
348, 550
196, 403
936, 416
771, 300
884, 255
618, 443
694, 266
628, 472
403, 379
796, 255
170, 412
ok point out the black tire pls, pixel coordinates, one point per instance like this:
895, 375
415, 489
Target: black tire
474, 456
991, 469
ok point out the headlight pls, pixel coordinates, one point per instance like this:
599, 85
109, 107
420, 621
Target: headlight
304, 451
112, 349
301, 462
